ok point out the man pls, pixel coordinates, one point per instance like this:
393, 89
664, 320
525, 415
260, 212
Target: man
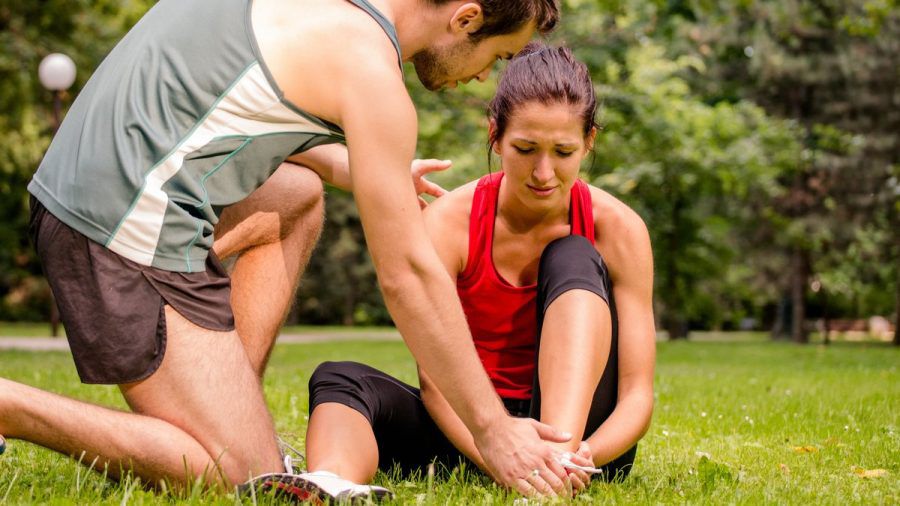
174, 149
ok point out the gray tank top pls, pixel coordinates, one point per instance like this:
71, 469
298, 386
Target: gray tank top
181, 119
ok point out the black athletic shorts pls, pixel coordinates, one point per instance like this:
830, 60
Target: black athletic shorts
113, 308
407, 436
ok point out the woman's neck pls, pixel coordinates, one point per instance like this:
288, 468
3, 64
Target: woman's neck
521, 219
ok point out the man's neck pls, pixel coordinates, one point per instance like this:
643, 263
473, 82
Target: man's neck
416, 21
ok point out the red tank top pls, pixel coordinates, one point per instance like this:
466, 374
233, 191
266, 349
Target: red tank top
503, 317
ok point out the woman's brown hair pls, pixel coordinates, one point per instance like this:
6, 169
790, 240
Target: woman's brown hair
550, 75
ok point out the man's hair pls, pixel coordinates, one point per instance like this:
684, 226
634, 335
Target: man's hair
503, 17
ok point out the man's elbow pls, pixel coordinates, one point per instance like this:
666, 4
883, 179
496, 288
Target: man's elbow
401, 275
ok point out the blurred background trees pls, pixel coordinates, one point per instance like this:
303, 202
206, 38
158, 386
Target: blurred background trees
758, 139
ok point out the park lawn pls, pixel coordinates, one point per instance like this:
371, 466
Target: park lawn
735, 423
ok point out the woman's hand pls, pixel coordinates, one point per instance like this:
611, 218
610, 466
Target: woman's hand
583, 457
419, 169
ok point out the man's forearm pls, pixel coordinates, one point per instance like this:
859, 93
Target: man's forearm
441, 343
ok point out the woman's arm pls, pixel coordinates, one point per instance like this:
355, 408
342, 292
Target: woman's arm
625, 245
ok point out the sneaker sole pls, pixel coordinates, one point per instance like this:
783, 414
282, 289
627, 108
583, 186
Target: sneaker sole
284, 486
299, 490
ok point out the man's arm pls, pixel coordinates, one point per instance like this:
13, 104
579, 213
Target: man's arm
331, 162
447, 225
380, 124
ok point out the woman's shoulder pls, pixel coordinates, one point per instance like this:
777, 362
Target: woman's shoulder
611, 214
447, 224
620, 232
454, 206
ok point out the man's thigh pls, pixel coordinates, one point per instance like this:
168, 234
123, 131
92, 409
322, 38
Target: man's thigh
206, 387
270, 213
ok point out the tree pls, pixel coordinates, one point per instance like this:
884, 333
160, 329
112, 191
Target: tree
833, 67
86, 31
686, 165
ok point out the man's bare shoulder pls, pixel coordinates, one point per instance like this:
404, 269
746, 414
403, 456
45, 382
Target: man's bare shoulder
317, 50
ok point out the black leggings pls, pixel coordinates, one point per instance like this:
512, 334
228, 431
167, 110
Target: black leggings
407, 436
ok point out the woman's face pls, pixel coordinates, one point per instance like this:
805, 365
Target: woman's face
541, 153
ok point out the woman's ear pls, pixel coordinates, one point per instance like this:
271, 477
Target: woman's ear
589, 139
492, 136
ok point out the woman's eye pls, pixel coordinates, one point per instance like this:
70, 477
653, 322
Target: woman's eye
524, 151
565, 154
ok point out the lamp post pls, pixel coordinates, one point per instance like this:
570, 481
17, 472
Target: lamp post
56, 73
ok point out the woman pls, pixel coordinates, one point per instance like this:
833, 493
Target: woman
555, 278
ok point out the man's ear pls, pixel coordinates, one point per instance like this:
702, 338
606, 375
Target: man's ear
468, 18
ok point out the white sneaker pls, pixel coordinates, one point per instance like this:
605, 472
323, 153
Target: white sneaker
2, 445
337, 489
316, 487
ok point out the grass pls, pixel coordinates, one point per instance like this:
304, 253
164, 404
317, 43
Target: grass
744, 422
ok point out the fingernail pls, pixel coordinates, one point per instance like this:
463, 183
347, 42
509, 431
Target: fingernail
567, 435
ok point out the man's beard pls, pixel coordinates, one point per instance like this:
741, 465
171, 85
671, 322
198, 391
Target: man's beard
433, 64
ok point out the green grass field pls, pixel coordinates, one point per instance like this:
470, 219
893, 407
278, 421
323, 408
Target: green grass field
748, 422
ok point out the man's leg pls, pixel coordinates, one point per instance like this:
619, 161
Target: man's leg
273, 231
201, 413
575, 336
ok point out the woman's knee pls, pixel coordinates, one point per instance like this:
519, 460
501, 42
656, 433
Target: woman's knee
337, 375
568, 263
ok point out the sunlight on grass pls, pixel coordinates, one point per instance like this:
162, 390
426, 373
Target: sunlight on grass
746, 422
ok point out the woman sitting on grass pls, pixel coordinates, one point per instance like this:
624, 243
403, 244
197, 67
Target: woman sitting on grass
555, 278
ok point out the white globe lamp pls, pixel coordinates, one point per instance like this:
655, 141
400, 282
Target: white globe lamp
56, 72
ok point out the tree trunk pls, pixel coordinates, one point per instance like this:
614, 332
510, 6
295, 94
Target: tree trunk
349, 305
897, 309
673, 321
675, 327
780, 329
799, 278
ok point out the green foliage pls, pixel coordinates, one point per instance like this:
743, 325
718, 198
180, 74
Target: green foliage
687, 165
751, 136
340, 284
832, 67
85, 31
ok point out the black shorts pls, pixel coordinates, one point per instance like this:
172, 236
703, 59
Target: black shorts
407, 436
113, 308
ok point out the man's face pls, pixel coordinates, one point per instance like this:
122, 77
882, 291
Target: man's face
448, 63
